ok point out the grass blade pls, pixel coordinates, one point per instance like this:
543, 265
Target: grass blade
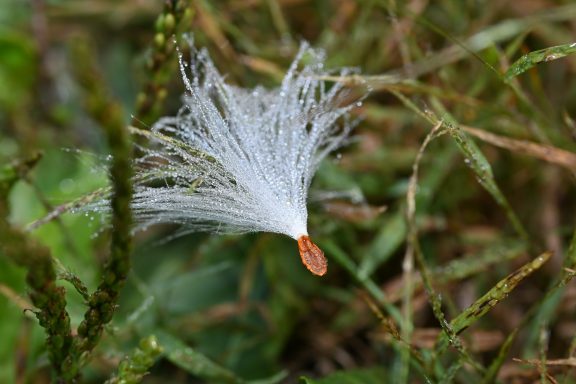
498, 293
535, 57
194, 362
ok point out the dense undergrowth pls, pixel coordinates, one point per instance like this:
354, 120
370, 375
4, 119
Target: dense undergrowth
449, 227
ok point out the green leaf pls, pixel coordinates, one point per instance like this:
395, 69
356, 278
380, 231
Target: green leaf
535, 57
17, 69
473, 156
497, 293
393, 232
194, 362
360, 376
497, 363
475, 263
478, 163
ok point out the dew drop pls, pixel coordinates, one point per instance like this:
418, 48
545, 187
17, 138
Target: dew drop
67, 186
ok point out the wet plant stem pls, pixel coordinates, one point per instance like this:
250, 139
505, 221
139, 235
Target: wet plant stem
109, 115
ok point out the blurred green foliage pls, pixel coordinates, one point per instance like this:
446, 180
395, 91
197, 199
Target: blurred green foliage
410, 298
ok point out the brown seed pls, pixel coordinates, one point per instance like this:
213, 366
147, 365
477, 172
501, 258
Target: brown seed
312, 256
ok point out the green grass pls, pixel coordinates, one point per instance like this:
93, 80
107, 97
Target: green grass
467, 137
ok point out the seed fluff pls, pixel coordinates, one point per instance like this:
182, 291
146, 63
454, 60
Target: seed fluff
237, 160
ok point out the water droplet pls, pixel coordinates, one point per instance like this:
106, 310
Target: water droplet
67, 186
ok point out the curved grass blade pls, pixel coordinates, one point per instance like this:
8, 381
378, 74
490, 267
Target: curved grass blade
365, 376
476, 160
475, 263
195, 362
473, 156
340, 257
536, 57
540, 312
497, 363
498, 293
393, 233
411, 249
414, 254
450, 374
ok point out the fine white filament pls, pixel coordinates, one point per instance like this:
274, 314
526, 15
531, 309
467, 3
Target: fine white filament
238, 160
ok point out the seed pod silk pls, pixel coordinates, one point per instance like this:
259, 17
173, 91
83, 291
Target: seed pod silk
238, 160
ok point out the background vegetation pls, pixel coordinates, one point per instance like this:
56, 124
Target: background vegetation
451, 238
